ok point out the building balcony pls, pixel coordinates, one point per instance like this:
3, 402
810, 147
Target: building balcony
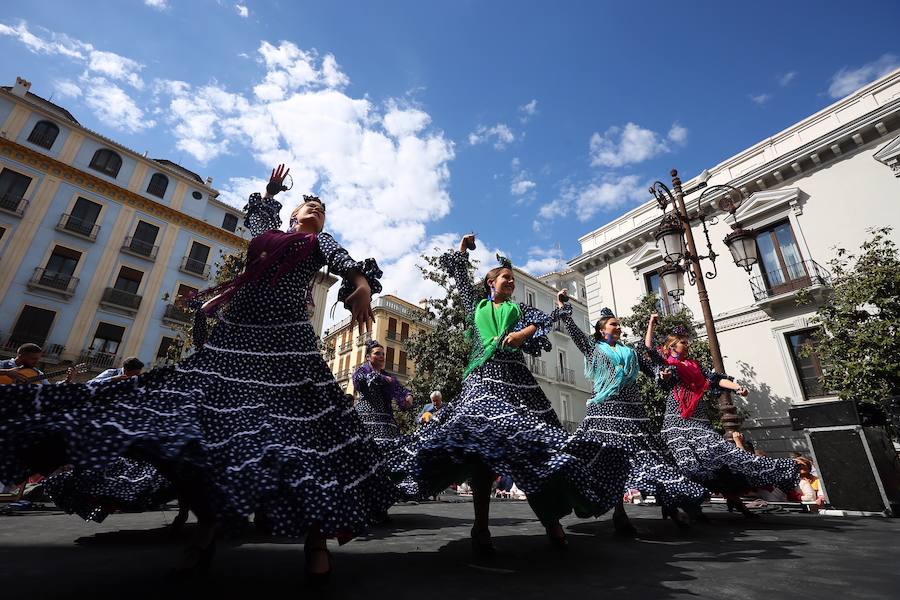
78, 226
195, 267
362, 339
10, 342
342, 375
565, 375
774, 289
120, 299
392, 336
345, 347
177, 314
537, 366
52, 281
97, 361
139, 247
15, 205
570, 426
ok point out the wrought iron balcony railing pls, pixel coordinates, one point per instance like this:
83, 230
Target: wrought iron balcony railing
51, 280
14, 204
121, 298
565, 375
194, 266
789, 279
140, 247
78, 226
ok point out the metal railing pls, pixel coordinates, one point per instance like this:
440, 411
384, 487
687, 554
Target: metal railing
176, 313
362, 339
78, 226
58, 282
565, 375
342, 374
121, 298
789, 279
570, 426
392, 335
97, 360
13, 204
346, 347
138, 246
538, 367
194, 266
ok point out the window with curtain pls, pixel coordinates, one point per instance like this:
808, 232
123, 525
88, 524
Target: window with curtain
779, 258
808, 368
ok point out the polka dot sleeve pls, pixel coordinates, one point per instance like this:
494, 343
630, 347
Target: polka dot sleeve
341, 263
262, 214
540, 341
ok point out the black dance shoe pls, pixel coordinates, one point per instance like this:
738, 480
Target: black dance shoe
679, 518
482, 544
558, 538
623, 527
738, 505
317, 580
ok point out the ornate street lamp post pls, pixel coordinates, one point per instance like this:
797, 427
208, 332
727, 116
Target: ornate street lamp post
675, 239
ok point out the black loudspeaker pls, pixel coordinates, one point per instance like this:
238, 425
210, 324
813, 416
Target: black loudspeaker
859, 468
824, 414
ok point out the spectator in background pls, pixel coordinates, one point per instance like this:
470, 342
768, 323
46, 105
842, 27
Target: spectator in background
131, 367
437, 401
809, 489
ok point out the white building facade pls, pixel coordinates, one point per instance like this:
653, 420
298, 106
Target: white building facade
817, 185
559, 372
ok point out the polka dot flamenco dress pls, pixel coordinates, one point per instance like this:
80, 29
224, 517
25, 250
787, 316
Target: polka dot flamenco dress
255, 419
703, 455
620, 421
377, 390
503, 421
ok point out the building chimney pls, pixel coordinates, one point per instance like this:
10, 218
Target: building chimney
146, 153
21, 88
209, 181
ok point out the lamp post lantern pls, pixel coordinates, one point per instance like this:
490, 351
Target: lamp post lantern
675, 239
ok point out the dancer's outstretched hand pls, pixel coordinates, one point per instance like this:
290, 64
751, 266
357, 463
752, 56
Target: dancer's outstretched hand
276, 181
742, 391
515, 339
654, 319
562, 296
360, 303
467, 243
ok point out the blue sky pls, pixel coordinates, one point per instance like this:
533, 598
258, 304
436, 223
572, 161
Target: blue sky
531, 123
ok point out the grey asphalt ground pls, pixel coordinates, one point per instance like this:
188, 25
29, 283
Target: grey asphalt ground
424, 552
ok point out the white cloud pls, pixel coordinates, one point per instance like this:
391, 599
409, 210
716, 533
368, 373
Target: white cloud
847, 81
288, 68
97, 62
242, 10
500, 133
677, 133
401, 123
787, 78
243, 55
521, 187
760, 99
157, 4
113, 105
607, 193
542, 261
528, 111
630, 144
67, 88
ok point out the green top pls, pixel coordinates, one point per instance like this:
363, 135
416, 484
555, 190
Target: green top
493, 323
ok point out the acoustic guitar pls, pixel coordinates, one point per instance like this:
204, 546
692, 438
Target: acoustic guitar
32, 375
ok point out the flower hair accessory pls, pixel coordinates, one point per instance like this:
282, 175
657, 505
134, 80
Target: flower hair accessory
680, 331
371, 345
606, 313
309, 198
504, 262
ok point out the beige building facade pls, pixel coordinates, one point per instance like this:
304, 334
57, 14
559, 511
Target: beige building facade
97, 240
817, 185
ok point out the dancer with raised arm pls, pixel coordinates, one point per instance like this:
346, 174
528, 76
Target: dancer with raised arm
254, 422
615, 416
502, 422
700, 451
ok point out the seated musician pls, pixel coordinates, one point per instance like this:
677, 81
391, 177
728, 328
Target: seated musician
131, 367
27, 357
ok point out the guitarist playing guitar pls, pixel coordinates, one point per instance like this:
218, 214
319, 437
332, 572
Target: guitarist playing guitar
23, 368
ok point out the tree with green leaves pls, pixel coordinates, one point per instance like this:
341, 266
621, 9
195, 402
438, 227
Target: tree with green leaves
652, 397
441, 350
858, 340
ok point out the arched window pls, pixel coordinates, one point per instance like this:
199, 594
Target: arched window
44, 134
158, 185
107, 162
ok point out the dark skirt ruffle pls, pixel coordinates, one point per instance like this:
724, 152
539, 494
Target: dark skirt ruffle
124, 485
503, 423
703, 455
621, 422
